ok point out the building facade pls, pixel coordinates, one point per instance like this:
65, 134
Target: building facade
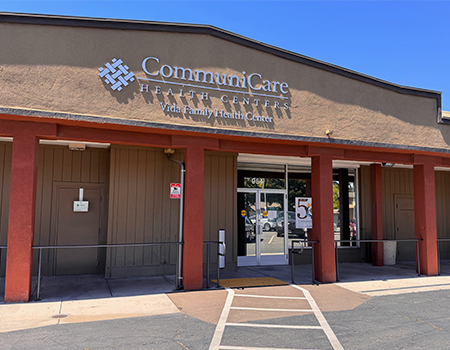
114, 108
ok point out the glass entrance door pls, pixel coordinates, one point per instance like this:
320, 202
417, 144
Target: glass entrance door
261, 228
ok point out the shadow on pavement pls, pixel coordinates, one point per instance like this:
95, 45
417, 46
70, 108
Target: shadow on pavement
82, 287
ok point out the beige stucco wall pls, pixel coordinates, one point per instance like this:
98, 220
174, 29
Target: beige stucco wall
56, 69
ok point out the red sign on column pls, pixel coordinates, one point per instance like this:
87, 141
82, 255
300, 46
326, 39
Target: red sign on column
175, 190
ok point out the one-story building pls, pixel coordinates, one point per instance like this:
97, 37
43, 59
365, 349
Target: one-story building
98, 117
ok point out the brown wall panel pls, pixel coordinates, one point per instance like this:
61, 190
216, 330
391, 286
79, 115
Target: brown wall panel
442, 207
394, 182
400, 182
141, 211
442, 203
60, 164
220, 204
5, 180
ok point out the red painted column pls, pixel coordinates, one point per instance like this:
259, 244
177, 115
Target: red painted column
323, 228
193, 218
377, 214
425, 217
22, 206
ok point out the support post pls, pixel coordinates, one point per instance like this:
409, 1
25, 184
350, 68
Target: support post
22, 206
377, 214
193, 218
323, 228
425, 217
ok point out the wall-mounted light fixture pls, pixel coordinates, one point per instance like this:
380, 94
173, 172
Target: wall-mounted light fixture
328, 132
169, 152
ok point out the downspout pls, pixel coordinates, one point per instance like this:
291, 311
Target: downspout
179, 278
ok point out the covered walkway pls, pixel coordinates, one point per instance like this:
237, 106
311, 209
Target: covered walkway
360, 277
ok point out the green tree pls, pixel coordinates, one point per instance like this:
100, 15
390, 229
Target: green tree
336, 195
297, 188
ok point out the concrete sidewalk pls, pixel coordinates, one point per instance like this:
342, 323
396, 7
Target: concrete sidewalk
74, 299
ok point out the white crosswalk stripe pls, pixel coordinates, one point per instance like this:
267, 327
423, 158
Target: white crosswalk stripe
268, 297
264, 309
220, 328
253, 348
263, 325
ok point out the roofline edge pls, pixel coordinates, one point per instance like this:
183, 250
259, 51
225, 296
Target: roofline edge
105, 23
226, 132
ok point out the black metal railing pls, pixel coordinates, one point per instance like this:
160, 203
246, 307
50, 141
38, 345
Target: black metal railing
336, 248
299, 250
208, 260
297, 247
40, 248
439, 252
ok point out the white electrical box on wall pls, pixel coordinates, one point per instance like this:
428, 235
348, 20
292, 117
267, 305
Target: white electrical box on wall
82, 206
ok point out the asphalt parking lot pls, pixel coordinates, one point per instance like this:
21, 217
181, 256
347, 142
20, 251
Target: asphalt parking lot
386, 313
404, 321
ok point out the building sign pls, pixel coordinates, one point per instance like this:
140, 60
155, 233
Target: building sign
116, 74
245, 98
303, 212
175, 190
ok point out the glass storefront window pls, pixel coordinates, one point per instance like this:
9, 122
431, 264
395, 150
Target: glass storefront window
340, 232
299, 185
299, 188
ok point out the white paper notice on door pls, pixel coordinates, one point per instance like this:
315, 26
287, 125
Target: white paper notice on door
82, 206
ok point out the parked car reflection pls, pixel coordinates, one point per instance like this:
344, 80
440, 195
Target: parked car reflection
250, 230
268, 224
292, 230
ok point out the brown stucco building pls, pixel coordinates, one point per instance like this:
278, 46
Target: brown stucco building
98, 105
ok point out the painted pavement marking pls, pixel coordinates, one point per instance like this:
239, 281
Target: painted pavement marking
268, 297
322, 321
263, 325
220, 328
217, 338
264, 309
224, 347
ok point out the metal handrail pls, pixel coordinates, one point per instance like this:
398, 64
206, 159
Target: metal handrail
208, 243
40, 248
294, 251
439, 252
376, 241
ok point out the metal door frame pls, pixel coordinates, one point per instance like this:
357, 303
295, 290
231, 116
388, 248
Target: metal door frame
259, 229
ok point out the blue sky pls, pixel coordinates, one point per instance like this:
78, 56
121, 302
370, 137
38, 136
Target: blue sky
404, 42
